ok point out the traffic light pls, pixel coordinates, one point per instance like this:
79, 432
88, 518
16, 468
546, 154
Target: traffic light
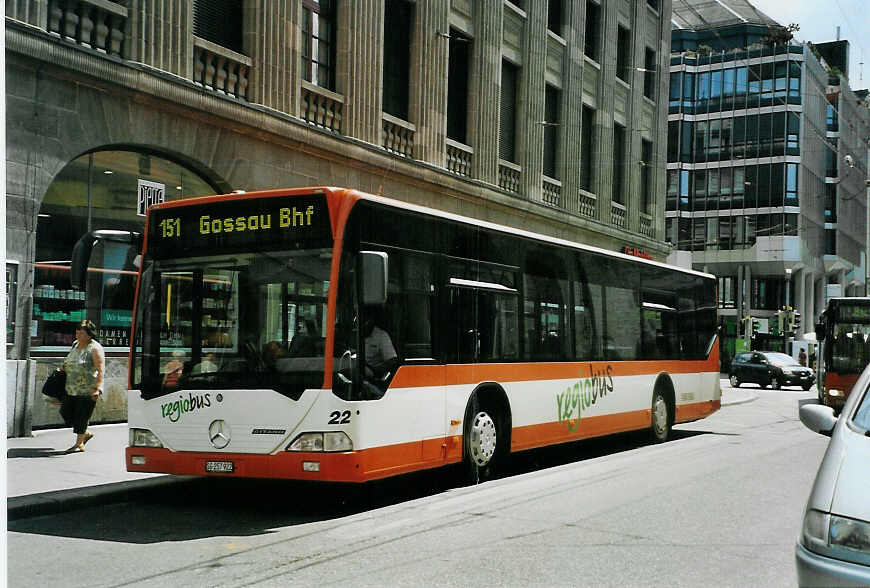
756, 326
796, 322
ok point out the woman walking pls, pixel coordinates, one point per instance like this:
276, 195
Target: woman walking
84, 366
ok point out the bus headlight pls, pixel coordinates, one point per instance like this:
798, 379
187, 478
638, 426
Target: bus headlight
144, 438
328, 441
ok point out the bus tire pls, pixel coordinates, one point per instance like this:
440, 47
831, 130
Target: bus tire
483, 440
660, 420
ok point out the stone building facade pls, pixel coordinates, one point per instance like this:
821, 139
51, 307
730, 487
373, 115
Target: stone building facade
548, 116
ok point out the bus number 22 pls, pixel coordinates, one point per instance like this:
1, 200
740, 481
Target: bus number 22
170, 227
339, 418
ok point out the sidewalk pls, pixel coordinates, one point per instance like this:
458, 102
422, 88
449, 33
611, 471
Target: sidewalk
43, 479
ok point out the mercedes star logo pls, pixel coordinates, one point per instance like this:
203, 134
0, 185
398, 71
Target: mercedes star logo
219, 434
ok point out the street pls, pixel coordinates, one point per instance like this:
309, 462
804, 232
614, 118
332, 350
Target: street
719, 505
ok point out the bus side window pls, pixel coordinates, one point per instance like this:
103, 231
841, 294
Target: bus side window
545, 299
412, 294
587, 319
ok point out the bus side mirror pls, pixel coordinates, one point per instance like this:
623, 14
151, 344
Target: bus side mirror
820, 331
81, 254
374, 277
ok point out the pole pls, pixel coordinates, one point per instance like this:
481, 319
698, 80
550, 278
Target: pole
867, 226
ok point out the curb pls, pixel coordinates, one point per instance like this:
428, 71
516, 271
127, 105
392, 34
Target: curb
60, 501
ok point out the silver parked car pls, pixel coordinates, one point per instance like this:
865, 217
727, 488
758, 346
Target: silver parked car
834, 545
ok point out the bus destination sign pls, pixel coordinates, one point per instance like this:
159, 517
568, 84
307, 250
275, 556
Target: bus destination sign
853, 313
255, 224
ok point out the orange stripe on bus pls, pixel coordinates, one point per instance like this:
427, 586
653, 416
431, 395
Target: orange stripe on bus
409, 376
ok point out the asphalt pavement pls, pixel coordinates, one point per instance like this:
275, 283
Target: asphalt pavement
42, 478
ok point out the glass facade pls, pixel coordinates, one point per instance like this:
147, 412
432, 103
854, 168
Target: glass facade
99, 190
730, 179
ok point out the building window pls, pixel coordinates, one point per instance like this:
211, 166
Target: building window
587, 148
654, 4
623, 54
593, 26
554, 16
318, 43
552, 99
646, 175
791, 184
457, 87
507, 112
618, 163
398, 24
219, 21
649, 74
831, 118
830, 203
99, 190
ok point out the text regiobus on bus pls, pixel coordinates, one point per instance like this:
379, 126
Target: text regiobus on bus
252, 354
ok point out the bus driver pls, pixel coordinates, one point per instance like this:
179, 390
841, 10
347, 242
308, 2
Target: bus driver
381, 357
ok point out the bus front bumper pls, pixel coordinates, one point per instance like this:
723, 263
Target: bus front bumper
328, 467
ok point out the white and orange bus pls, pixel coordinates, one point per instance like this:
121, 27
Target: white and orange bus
254, 355
843, 331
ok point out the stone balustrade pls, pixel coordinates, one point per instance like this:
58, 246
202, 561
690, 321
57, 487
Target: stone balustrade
95, 24
587, 205
321, 107
459, 157
646, 225
617, 215
398, 136
551, 191
219, 69
509, 176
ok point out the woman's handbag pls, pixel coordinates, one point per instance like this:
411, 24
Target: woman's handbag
55, 385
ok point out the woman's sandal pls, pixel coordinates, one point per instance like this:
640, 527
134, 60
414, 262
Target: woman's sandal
88, 437
75, 449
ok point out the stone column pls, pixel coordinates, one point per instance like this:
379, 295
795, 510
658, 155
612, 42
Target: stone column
271, 35
530, 135
484, 90
741, 310
809, 318
429, 60
360, 61
572, 104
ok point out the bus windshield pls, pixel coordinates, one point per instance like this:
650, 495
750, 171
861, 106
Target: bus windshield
243, 321
849, 347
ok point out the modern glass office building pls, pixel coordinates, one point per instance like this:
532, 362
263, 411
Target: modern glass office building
758, 189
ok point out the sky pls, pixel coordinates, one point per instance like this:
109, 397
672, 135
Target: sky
819, 20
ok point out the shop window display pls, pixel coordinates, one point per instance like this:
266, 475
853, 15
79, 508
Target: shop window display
99, 190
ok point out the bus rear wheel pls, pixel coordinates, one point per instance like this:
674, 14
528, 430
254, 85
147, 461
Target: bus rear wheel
480, 445
660, 425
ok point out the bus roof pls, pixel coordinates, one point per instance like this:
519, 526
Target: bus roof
399, 204
521, 232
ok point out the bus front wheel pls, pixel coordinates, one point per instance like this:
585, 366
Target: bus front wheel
480, 445
660, 425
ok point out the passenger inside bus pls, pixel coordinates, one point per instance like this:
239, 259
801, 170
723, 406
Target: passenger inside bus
306, 340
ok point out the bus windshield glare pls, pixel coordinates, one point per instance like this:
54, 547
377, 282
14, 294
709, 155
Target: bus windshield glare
243, 321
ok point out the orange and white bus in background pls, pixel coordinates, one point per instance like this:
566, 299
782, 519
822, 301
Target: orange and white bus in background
254, 354
844, 332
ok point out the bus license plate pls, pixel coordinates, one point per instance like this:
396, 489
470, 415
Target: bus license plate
224, 467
